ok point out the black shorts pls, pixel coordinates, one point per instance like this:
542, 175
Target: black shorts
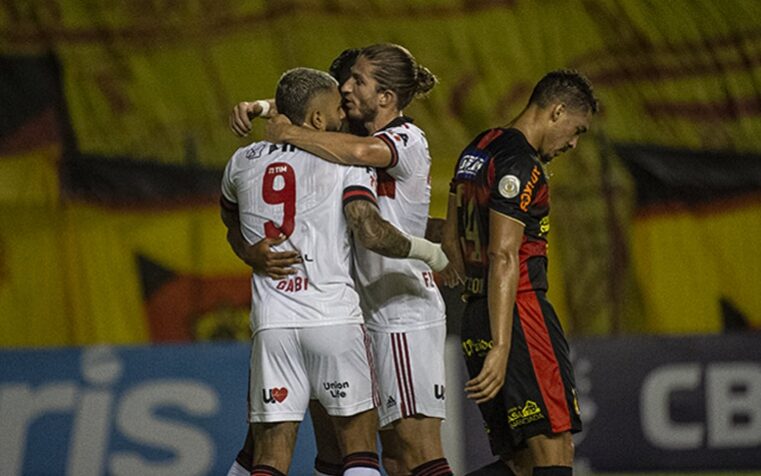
539, 395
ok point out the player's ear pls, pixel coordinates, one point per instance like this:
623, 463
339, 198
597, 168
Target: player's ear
387, 98
316, 120
557, 112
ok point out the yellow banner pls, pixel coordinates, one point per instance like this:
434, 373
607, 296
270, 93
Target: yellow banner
154, 81
689, 262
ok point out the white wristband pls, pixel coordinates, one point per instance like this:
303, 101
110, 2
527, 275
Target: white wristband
431, 253
265, 105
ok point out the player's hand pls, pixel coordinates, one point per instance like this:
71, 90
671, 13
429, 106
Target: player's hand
450, 277
490, 380
277, 128
275, 264
241, 116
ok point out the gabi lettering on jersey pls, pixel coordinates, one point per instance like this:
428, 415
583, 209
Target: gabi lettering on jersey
293, 285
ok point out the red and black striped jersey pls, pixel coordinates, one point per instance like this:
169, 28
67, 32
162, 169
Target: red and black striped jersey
500, 170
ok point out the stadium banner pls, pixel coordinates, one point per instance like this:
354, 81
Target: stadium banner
172, 409
124, 105
669, 403
690, 251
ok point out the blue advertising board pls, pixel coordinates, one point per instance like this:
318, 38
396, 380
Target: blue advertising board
689, 403
647, 403
128, 410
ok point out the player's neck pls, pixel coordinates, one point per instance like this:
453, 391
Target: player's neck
528, 123
382, 119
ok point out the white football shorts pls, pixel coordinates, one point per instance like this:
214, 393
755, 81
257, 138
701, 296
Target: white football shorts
290, 366
411, 374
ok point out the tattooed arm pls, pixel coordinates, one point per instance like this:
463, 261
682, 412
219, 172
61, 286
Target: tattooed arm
380, 236
375, 233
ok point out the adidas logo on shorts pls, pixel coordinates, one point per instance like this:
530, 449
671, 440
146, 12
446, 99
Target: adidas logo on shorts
390, 402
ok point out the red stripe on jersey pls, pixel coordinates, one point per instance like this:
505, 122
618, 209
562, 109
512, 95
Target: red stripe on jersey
386, 184
530, 247
490, 136
392, 148
358, 193
546, 367
491, 172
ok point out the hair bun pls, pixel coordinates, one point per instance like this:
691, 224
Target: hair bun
426, 80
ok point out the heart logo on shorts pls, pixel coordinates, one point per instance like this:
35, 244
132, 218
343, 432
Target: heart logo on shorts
279, 394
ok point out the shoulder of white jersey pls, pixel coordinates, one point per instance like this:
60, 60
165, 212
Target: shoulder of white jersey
252, 151
400, 134
403, 131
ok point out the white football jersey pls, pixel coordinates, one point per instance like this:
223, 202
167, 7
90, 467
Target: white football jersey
400, 294
279, 188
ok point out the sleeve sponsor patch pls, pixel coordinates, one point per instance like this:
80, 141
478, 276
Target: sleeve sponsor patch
471, 161
530, 189
509, 186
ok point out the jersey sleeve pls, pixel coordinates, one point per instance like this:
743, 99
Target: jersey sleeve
229, 199
469, 163
404, 145
514, 185
359, 184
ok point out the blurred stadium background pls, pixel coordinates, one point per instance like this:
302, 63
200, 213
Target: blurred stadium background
123, 313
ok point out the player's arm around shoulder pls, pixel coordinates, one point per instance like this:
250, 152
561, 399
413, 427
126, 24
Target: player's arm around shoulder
336, 147
244, 112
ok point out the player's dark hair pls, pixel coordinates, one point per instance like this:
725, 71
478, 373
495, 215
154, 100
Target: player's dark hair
340, 68
396, 70
567, 86
296, 89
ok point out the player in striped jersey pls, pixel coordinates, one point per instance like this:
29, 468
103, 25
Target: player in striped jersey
308, 337
496, 233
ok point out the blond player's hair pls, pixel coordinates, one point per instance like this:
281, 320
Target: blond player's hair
397, 70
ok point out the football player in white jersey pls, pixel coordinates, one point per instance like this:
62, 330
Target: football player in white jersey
308, 337
403, 308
